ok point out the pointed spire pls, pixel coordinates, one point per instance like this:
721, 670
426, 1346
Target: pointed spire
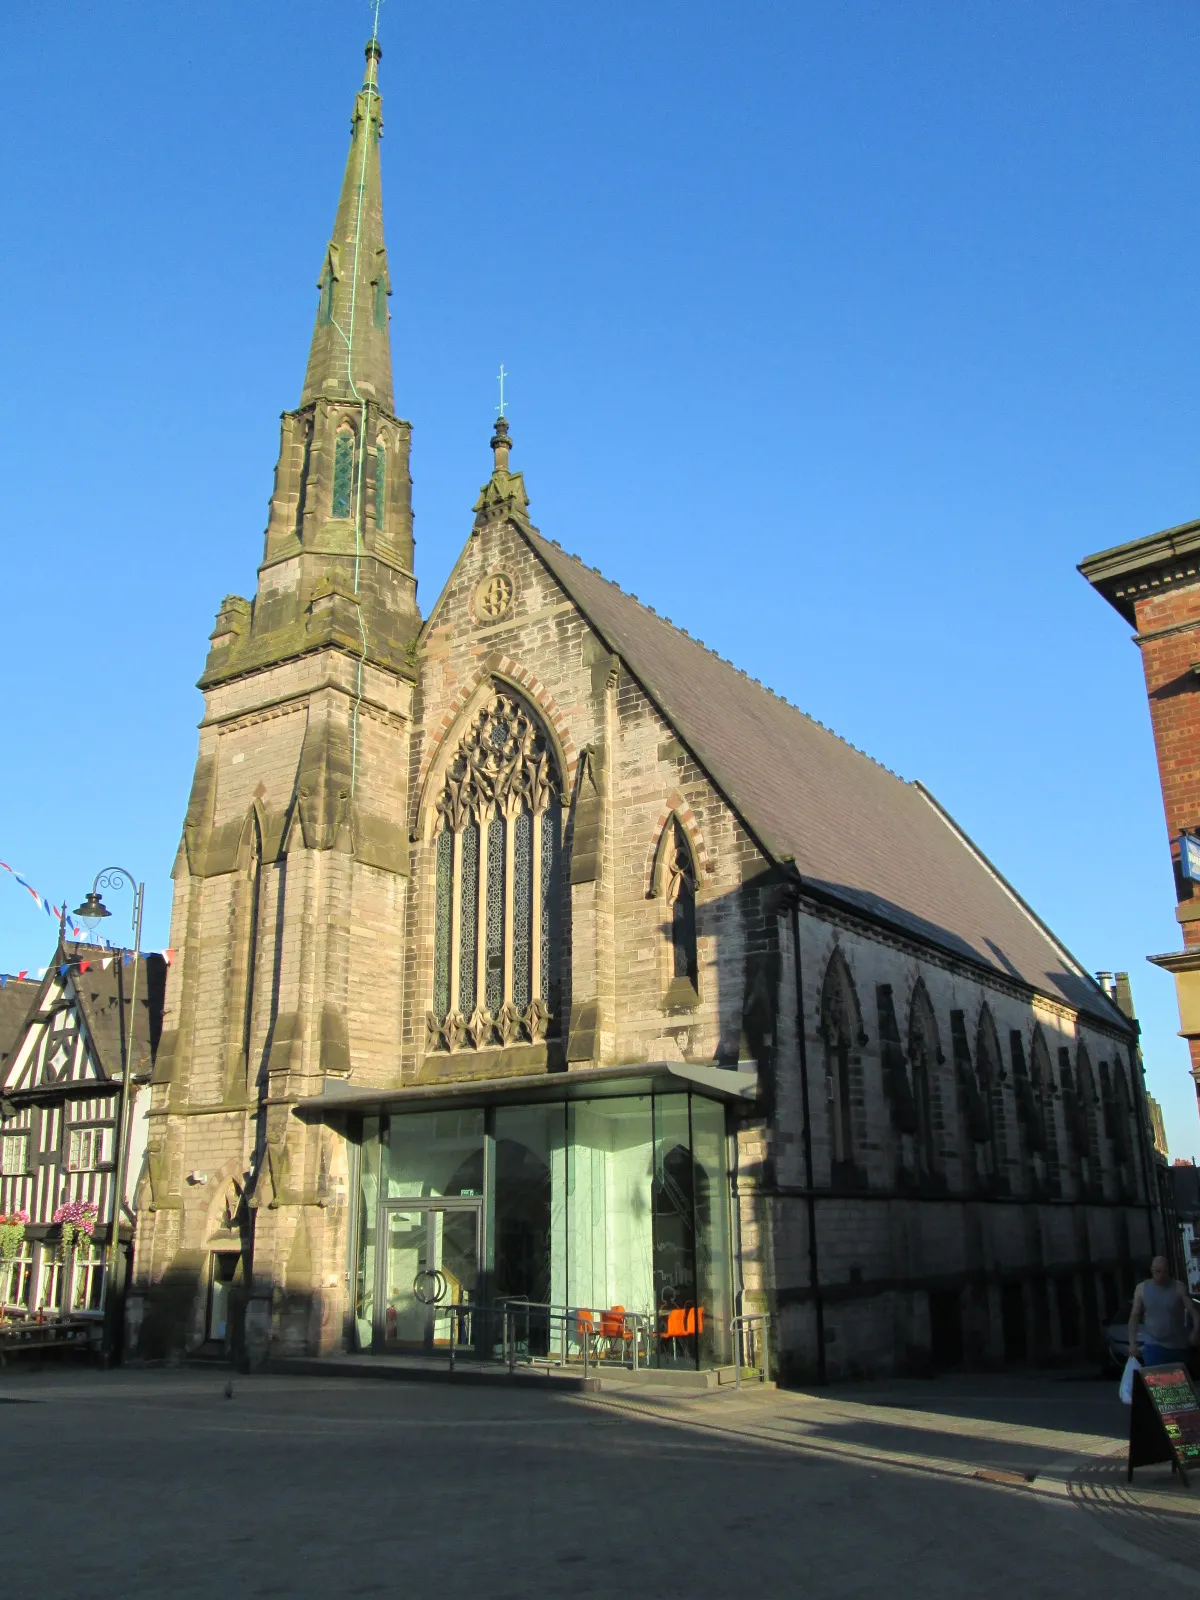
351, 355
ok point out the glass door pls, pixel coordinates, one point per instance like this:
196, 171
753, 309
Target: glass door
429, 1275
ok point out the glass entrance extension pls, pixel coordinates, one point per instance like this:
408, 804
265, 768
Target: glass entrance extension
429, 1271
614, 1205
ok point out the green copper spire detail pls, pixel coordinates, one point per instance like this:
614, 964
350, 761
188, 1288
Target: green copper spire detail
351, 355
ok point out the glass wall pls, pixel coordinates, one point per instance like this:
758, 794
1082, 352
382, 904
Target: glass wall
604, 1204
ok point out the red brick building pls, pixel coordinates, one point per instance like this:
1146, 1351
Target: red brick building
1154, 583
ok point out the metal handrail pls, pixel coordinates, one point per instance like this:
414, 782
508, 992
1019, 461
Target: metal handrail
570, 1322
754, 1323
581, 1326
564, 1326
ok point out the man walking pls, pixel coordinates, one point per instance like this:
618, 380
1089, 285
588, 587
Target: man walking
1172, 1316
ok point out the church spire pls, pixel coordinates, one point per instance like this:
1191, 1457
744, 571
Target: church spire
351, 355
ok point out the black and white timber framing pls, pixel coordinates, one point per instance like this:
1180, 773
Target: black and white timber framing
61, 1066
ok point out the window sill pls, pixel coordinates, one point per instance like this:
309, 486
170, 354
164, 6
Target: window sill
681, 996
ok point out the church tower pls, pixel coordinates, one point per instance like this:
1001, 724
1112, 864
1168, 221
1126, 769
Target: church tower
291, 877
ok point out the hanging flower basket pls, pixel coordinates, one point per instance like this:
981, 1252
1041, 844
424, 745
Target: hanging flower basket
12, 1234
78, 1219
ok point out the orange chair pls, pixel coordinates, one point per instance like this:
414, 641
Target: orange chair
612, 1327
676, 1328
586, 1331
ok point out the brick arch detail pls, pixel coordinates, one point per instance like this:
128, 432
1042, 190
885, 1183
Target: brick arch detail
501, 666
675, 806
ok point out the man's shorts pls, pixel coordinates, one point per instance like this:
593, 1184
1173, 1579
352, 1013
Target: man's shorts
1157, 1355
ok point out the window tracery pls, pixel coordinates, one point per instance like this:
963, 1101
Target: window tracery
497, 853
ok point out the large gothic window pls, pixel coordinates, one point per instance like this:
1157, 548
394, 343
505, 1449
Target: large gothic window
497, 851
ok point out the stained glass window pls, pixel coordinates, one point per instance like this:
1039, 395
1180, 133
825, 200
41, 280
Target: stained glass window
547, 955
468, 919
502, 776
522, 971
441, 939
343, 474
380, 484
494, 990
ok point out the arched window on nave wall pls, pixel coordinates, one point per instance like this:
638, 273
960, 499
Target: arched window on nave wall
990, 1070
843, 1037
925, 1059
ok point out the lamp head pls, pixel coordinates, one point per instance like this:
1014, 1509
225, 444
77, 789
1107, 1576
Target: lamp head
92, 912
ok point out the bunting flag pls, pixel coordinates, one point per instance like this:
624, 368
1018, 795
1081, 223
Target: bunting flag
64, 967
51, 910
76, 932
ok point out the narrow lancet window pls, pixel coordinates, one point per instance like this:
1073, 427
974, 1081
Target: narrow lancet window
494, 970
443, 892
675, 880
522, 910
549, 965
468, 919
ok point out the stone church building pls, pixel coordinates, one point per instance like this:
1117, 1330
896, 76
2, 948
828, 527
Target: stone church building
531, 954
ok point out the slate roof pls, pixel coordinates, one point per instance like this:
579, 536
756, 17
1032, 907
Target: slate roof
857, 832
104, 996
16, 1002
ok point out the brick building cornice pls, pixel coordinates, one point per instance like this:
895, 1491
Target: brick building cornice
1130, 572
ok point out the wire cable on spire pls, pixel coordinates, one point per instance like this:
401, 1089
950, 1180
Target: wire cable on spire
348, 336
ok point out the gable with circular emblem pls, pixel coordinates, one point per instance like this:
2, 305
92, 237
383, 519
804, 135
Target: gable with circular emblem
493, 597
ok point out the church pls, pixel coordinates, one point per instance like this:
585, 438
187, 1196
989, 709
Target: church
531, 955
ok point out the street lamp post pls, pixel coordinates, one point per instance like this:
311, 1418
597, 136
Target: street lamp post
92, 912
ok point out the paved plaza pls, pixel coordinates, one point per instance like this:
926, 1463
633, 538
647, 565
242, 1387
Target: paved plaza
154, 1483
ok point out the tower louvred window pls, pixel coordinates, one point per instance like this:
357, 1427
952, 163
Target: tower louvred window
343, 474
380, 484
497, 951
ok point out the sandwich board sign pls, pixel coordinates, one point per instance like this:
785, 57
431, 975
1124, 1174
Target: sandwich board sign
1164, 1420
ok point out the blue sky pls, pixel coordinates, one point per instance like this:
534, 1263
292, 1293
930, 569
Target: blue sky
837, 332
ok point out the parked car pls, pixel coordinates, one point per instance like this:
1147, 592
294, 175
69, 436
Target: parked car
1116, 1338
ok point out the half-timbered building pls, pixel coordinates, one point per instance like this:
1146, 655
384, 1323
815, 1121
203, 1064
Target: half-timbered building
529, 951
63, 1058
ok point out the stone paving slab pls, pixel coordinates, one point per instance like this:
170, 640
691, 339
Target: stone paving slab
310, 1486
